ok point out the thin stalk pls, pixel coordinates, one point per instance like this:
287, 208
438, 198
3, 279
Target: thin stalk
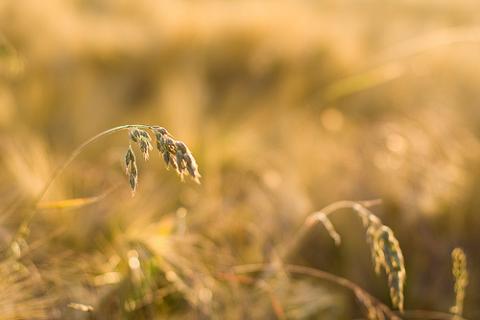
79, 150
67, 162
347, 284
319, 274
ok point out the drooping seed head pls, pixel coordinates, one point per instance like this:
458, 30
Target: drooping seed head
175, 153
460, 274
388, 255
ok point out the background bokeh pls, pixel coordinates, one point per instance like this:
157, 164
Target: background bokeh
287, 105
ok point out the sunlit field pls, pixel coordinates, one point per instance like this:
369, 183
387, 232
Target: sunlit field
239, 159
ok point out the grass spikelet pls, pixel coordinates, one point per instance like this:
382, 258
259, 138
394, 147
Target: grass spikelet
142, 138
460, 274
186, 162
131, 169
129, 158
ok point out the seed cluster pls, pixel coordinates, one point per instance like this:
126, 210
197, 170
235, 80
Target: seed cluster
142, 138
386, 254
175, 154
460, 274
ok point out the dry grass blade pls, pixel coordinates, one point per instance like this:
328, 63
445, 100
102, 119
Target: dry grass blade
76, 203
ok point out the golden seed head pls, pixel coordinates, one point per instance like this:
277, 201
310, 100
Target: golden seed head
386, 253
460, 274
175, 153
388, 256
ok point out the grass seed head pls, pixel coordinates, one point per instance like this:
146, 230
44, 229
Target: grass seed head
384, 246
388, 256
175, 153
460, 274
386, 253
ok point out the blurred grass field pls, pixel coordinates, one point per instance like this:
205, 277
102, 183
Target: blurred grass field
288, 106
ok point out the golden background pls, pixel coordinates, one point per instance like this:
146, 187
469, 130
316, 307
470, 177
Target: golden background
288, 106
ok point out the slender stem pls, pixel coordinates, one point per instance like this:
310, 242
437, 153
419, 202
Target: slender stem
316, 273
347, 284
67, 162
79, 150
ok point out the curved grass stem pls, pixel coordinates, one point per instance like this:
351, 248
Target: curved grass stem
64, 166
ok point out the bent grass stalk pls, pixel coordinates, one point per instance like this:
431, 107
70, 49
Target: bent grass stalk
385, 249
79, 149
178, 155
